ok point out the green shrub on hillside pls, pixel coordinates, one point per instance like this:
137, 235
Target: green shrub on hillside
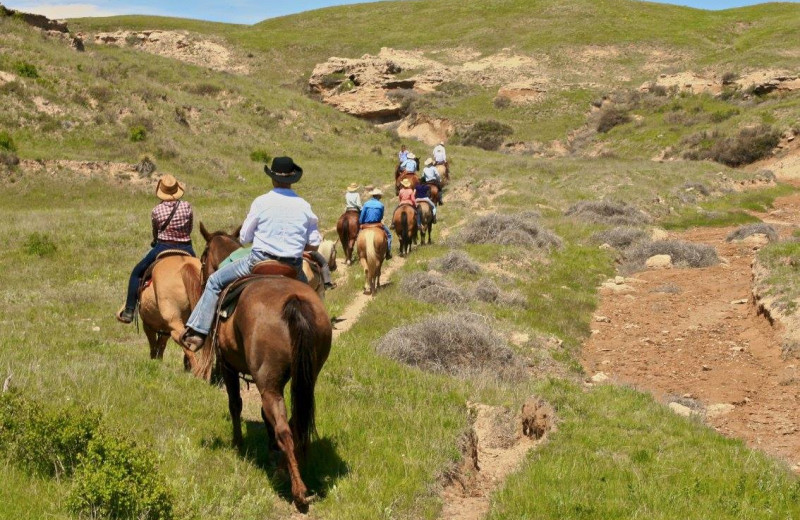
260, 156
610, 118
39, 244
118, 479
137, 133
486, 134
46, 441
7, 142
204, 89
26, 70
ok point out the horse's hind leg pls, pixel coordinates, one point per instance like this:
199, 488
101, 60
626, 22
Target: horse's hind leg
231, 379
274, 409
153, 339
189, 359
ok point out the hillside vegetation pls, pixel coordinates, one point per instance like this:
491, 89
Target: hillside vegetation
389, 433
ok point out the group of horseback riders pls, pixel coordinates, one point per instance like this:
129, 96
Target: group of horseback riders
280, 225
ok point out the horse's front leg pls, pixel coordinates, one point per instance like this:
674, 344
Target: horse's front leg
231, 379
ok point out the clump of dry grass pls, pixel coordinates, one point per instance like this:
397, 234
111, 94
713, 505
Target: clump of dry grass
683, 254
432, 288
457, 261
462, 344
668, 288
486, 290
521, 230
621, 237
608, 212
753, 229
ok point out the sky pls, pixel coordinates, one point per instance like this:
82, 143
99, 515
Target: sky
235, 11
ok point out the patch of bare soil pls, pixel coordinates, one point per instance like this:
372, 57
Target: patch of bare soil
429, 130
493, 449
785, 162
694, 335
179, 45
121, 172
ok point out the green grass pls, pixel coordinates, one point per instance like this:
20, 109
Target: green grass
782, 281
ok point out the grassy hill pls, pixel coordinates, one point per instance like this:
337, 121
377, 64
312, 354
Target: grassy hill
389, 432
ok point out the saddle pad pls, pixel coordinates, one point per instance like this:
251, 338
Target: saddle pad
236, 255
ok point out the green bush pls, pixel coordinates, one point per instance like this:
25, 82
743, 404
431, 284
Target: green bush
39, 244
487, 134
204, 89
610, 118
260, 156
46, 441
137, 133
118, 479
7, 142
26, 70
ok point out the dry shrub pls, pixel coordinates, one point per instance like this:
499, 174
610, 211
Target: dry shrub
753, 229
607, 212
457, 261
683, 254
668, 288
621, 237
749, 146
486, 290
462, 344
487, 134
432, 288
610, 118
521, 230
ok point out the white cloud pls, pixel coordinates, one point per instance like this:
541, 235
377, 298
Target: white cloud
65, 10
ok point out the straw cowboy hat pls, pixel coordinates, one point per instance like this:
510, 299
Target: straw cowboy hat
353, 187
411, 156
428, 161
406, 183
376, 192
284, 170
168, 188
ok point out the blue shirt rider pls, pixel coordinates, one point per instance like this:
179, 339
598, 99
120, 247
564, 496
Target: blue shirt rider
372, 212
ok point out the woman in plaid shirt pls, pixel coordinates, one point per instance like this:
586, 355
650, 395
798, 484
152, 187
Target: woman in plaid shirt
172, 221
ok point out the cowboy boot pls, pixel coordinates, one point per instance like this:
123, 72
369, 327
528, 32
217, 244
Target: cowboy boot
192, 339
124, 315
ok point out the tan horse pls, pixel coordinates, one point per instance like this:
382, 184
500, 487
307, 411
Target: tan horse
167, 302
426, 221
371, 252
347, 228
327, 249
444, 173
279, 331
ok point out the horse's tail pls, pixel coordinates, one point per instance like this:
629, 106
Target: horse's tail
404, 226
192, 283
372, 254
346, 238
299, 316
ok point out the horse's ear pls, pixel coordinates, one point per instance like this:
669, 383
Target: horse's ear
204, 231
237, 232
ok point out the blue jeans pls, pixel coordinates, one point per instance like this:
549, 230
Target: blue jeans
388, 238
141, 267
202, 317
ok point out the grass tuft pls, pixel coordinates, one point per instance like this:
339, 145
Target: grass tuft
522, 230
683, 254
753, 229
607, 212
621, 237
432, 288
456, 261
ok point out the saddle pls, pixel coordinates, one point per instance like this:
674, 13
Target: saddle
229, 296
353, 210
147, 277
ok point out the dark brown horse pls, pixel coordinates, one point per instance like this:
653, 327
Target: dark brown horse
347, 228
405, 226
279, 332
434, 193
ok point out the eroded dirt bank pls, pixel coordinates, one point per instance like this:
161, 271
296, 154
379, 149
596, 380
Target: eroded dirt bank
693, 337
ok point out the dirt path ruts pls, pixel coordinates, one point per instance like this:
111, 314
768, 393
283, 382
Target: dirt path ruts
704, 344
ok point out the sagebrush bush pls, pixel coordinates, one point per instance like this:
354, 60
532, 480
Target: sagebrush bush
487, 134
753, 229
431, 288
750, 145
204, 89
501, 102
120, 480
7, 142
260, 156
457, 261
621, 237
683, 254
522, 230
39, 244
461, 344
607, 212
610, 118
47, 441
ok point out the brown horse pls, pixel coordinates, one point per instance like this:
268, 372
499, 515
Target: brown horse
166, 303
278, 332
372, 244
405, 175
347, 228
426, 221
434, 193
444, 173
405, 226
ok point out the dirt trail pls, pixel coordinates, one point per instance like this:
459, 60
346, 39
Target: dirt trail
694, 336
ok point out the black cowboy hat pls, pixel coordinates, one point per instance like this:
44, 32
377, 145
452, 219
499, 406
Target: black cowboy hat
284, 170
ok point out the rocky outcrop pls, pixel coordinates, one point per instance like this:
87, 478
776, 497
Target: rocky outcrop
53, 28
429, 130
179, 45
759, 83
